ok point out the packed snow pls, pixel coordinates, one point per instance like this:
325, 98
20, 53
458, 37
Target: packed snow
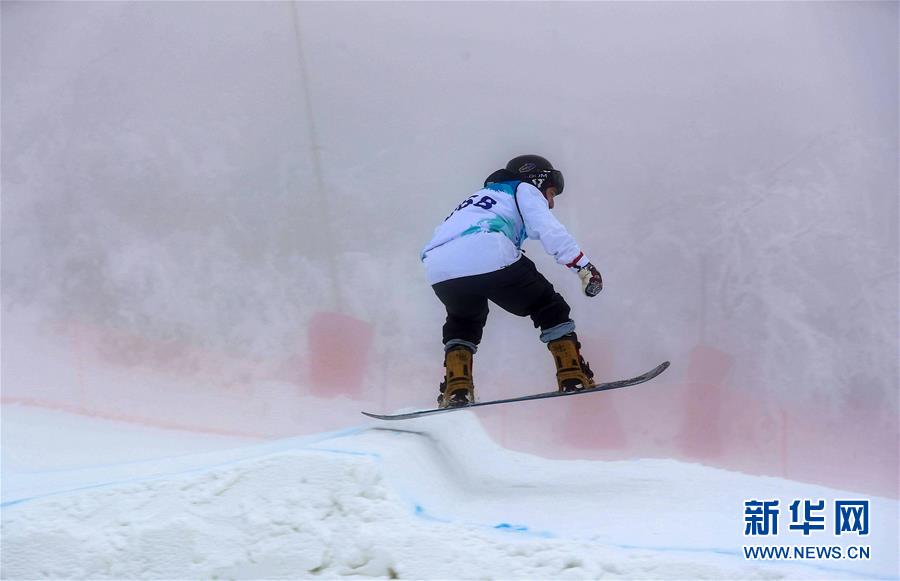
430, 498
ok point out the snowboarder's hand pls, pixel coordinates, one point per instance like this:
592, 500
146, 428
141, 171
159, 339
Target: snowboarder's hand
591, 281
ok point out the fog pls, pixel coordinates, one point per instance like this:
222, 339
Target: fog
212, 215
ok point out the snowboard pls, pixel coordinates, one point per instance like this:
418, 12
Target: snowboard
599, 387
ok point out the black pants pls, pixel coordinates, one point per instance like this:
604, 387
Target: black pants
519, 288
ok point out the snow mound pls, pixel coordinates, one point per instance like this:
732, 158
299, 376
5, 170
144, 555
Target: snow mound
430, 499
290, 515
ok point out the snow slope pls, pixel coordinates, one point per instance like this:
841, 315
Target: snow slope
431, 498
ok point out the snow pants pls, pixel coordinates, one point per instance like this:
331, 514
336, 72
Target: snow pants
519, 288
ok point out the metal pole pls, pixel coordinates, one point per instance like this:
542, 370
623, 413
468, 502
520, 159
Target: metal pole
321, 196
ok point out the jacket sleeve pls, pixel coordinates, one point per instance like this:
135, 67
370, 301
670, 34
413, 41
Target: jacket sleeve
541, 224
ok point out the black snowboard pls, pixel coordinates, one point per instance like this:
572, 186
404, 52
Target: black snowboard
599, 387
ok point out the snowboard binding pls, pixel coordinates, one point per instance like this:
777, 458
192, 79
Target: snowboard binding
457, 389
572, 372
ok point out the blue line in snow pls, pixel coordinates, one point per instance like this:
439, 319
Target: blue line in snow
254, 452
420, 512
508, 527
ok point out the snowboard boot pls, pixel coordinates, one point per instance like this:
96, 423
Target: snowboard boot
572, 371
457, 388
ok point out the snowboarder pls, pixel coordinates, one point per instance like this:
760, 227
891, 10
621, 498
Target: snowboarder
475, 256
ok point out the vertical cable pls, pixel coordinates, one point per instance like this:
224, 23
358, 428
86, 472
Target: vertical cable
322, 200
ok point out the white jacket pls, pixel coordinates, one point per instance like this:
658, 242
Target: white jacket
486, 231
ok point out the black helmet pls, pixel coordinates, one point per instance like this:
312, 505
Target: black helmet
538, 171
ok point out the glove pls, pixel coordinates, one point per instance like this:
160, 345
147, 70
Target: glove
591, 281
